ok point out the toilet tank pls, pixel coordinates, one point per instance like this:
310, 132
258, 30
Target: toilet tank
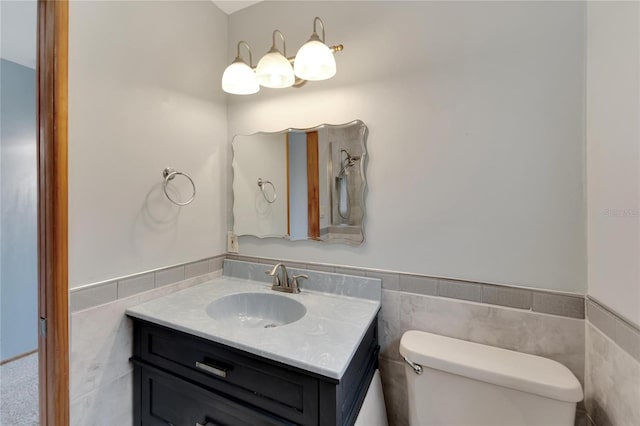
465, 383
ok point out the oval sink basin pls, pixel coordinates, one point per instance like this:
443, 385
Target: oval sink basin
255, 310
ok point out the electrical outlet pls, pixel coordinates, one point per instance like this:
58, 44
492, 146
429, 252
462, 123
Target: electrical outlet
232, 243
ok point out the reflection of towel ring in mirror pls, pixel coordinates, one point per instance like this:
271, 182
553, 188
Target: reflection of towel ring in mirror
261, 184
169, 173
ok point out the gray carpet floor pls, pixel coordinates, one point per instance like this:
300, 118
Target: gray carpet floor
19, 392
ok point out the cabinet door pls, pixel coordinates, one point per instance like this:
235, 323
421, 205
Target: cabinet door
281, 390
168, 400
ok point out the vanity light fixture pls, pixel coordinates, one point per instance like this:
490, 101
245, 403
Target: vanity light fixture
239, 77
274, 69
313, 62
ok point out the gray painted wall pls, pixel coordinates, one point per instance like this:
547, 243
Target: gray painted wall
18, 226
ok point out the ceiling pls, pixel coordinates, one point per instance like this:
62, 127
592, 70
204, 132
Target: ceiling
230, 6
18, 28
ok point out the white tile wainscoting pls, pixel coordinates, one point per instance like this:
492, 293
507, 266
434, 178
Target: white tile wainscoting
537, 322
101, 377
612, 382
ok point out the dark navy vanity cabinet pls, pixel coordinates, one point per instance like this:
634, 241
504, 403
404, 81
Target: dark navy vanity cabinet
182, 379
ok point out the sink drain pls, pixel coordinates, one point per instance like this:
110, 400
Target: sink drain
270, 325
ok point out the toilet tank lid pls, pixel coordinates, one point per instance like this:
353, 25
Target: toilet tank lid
515, 370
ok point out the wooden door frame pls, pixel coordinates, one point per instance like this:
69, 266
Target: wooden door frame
313, 187
53, 332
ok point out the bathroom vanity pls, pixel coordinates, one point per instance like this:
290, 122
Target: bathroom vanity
198, 362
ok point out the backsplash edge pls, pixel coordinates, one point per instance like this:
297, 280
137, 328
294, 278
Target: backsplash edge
565, 304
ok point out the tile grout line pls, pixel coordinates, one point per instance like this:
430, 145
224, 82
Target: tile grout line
84, 395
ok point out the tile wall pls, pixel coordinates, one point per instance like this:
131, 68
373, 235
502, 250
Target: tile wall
101, 378
527, 320
612, 395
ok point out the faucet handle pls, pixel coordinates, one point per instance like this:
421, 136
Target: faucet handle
295, 285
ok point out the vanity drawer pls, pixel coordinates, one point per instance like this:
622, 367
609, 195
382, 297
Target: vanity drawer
276, 388
168, 400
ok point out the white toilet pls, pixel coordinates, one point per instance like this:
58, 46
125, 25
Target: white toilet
453, 382
373, 411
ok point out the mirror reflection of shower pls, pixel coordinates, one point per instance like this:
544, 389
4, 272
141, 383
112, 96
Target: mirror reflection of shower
342, 183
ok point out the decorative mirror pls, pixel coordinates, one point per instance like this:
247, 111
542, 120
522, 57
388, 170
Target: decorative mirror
301, 184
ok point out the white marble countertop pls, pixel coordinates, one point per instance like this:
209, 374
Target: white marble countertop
323, 341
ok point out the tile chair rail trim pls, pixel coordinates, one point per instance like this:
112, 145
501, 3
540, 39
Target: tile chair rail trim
99, 293
550, 302
613, 325
527, 299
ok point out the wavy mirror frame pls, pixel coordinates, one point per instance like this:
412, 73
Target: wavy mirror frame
344, 195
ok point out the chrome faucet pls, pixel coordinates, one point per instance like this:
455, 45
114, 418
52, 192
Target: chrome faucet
277, 281
282, 282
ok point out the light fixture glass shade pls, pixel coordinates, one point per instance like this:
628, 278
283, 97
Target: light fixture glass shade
314, 61
274, 70
239, 79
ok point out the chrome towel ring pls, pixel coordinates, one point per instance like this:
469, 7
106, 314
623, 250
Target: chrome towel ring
261, 184
169, 174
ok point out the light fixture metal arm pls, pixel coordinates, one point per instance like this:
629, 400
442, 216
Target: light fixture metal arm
284, 43
245, 44
317, 19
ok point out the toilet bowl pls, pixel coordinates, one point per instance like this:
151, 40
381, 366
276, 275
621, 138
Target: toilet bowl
454, 382
373, 411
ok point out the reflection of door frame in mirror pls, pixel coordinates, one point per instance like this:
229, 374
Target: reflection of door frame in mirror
53, 334
313, 186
